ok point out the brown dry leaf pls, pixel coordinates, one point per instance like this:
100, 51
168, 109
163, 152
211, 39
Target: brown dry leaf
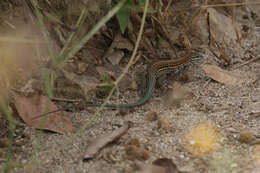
116, 57
87, 83
223, 76
105, 139
133, 27
106, 71
118, 43
122, 43
221, 26
113, 72
31, 106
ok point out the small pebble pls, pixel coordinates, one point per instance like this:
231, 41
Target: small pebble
133, 152
246, 136
151, 116
163, 124
134, 142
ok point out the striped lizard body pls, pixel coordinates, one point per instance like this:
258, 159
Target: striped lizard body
156, 70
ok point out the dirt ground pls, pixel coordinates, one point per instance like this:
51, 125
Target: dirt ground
215, 129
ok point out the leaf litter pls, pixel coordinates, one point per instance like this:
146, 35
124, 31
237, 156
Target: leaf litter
29, 107
105, 139
228, 77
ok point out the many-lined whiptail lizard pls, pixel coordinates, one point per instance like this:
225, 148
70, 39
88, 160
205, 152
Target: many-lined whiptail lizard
154, 71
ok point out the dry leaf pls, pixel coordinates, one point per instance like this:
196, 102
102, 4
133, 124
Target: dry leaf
223, 76
113, 72
118, 43
106, 71
116, 57
122, 43
105, 139
87, 83
221, 26
31, 106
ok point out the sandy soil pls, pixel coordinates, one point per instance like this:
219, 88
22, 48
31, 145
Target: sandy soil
228, 110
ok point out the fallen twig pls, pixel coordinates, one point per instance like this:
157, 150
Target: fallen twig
66, 100
247, 62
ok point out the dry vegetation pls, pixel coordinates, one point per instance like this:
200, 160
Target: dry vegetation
208, 121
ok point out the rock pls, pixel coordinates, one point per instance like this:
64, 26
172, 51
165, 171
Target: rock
151, 116
163, 124
246, 136
134, 152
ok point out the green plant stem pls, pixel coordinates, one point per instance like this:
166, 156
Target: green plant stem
130, 61
10, 119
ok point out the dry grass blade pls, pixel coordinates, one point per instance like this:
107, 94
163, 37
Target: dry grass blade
231, 4
222, 52
247, 62
234, 23
213, 40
